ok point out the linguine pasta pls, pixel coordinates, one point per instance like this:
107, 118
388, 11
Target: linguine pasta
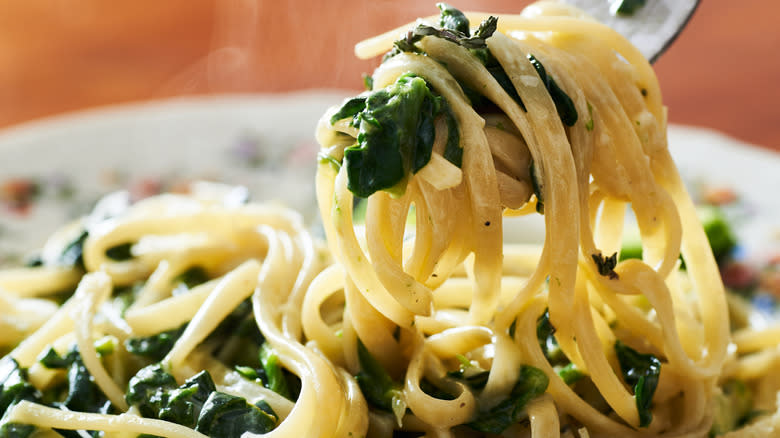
207, 315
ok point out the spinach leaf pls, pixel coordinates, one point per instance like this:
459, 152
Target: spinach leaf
15, 387
455, 28
148, 390
271, 374
545, 334
227, 416
733, 407
536, 184
531, 383
239, 323
570, 374
563, 103
253, 374
452, 151
196, 404
73, 254
184, 404
473, 375
395, 135
50, 359
16, 430
120, 252
376, 384
192, 277
105, 345
276, 380
499, 74
718, 231
627, 8
33, 261
640, 371
155, 347
83, 394
453, 19
434, 391
350, 109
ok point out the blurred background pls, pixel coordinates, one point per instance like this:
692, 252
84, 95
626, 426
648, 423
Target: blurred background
59, 55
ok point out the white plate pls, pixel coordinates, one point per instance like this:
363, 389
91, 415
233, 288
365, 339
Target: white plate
267, 144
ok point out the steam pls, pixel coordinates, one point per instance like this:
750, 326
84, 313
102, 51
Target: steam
228, 66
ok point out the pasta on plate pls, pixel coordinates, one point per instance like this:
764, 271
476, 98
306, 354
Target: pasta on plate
204, 314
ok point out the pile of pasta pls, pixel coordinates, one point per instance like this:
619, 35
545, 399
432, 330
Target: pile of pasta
205, 314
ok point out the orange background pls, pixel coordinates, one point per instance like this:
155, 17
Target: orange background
63, 55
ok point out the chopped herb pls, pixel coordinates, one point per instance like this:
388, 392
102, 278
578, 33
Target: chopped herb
640, 371
606, 265
563, 103
531, 383
464, 39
